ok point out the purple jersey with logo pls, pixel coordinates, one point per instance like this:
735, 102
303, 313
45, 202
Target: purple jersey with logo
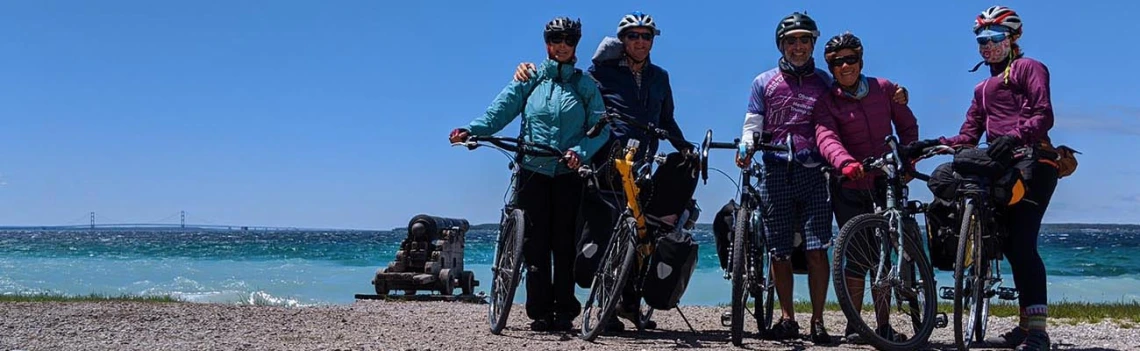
782, 104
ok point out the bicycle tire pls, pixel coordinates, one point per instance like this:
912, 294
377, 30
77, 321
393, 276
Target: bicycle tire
739, 295
967, 236
925, 325
981, 300
769, 300
507, 269
617, 260
926, 271
765, 290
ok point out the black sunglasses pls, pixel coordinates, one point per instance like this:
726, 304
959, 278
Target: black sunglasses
803, 40
635, 35
559, 39
839, 61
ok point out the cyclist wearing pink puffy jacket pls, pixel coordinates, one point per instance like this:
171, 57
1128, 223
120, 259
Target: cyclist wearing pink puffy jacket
860, 110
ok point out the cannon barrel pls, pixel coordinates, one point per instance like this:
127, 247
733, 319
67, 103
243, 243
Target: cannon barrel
424, 227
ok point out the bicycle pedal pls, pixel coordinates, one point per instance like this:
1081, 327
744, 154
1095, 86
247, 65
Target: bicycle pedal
1008, 294
726, 319
940, 320
946, 292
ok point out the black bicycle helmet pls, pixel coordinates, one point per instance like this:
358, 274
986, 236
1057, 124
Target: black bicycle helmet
796, 22
563, 25
840, 42
844, 41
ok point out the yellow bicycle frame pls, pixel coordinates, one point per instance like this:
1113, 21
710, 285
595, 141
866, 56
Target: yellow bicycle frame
625, 169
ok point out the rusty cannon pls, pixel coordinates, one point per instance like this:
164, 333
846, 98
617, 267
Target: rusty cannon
429, 259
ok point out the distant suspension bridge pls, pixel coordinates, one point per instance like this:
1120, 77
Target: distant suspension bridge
163, 223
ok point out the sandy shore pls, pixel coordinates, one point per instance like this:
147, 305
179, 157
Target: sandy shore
388, 325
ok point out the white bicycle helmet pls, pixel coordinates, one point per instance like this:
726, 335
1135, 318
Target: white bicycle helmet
637, 19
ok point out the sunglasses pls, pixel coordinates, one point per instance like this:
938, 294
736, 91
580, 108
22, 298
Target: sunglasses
635, 35
996, 38
839, 61
792, 40
559, 39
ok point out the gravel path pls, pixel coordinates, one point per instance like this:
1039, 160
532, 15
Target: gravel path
390, 325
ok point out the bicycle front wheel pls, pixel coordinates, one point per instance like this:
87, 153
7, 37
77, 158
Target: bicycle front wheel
610, 279
967, 267
507, 269
739, 294
866, 254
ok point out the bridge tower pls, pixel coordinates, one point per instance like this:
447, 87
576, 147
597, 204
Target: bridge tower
183, 219
92, 219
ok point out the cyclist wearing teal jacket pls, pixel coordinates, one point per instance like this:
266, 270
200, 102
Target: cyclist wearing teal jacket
558, 108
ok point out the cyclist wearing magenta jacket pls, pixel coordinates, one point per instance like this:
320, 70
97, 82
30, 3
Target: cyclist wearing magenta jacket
863, 115
1014, 110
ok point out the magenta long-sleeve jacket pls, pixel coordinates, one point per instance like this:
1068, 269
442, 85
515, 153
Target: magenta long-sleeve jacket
862, 126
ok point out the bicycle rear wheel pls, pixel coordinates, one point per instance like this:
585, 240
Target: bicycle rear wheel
967, 267
610, 279
506, 270
982, 298
866, 252
761, 282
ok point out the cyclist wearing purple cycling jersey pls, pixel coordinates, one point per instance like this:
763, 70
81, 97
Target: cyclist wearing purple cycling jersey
795, 198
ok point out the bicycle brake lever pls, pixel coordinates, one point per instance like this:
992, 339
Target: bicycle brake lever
585, 171
469, 144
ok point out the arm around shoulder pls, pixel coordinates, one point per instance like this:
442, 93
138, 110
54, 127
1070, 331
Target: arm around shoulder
594, 108
906, 125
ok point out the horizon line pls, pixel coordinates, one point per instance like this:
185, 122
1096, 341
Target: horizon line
165, 226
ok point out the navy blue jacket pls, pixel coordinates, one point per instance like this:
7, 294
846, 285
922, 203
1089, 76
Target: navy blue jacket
651, 104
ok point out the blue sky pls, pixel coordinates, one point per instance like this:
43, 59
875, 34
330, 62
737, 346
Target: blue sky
334, 114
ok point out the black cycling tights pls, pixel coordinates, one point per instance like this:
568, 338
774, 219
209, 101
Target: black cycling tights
1023, 221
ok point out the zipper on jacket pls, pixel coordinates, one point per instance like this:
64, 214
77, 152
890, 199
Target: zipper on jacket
866, 120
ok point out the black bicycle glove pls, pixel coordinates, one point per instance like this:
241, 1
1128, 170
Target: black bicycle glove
1001, 149
914, 149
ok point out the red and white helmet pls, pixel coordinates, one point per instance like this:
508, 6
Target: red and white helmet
1001, 16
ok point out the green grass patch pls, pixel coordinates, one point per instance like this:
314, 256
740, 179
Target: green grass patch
47, 297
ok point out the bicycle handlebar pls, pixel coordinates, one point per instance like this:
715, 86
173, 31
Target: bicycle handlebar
760, 141
720, 145
513, 145
655, 132
891, 158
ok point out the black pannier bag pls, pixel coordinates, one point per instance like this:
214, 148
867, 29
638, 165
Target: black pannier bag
670, 267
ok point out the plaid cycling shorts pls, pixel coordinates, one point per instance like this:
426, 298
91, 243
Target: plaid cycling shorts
799, 205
